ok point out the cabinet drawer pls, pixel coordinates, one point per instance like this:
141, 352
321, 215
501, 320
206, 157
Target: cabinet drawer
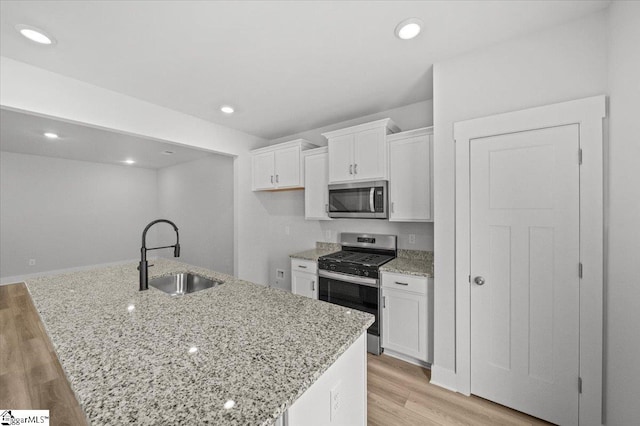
304, 266
405, 282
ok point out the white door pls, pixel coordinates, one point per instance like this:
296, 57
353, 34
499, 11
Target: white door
262, 168
525, 246
316, 192
304, 284
369, 155
410, 179
288, 167
341, 158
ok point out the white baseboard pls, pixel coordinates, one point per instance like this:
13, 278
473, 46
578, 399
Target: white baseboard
444, 378
407, 358
22, 278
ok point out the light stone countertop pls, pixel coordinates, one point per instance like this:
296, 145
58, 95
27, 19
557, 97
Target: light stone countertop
258, 346
322, 249
411, 262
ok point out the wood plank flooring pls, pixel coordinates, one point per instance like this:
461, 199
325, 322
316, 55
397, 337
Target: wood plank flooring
399, 394
30, 375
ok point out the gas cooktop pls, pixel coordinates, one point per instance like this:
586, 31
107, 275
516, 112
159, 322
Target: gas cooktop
359, 258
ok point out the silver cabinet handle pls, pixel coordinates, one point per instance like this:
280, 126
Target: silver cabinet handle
271, 178
302, 266
399, 283
393, 205
355, 169
326, 208
479, 280
313, 286
277, 178
384, 301
350, 169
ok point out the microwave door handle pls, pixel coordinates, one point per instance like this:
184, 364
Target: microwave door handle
371, 200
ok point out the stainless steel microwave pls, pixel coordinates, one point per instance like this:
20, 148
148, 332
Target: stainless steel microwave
364, 200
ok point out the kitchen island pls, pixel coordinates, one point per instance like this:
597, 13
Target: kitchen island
236, 354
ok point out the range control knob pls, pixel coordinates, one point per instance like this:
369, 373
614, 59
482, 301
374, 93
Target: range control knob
366, 273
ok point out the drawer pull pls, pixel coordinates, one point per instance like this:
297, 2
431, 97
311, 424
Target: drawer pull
302, 266
399, 283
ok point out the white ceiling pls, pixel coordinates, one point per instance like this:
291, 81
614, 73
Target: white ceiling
23, 133
286, 66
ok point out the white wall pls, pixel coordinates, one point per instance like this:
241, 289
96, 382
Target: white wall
412, 116
67, 214
198, 197
279, 210
38, 91
622, 339
558, 64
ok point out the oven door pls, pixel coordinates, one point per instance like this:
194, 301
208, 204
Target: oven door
358, 200
354, 292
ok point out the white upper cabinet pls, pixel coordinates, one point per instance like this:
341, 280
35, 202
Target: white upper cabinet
359, 153
410, 176
279, 166
316, 180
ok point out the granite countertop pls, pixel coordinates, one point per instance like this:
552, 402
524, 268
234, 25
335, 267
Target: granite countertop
322, 249
411, 262
126, 352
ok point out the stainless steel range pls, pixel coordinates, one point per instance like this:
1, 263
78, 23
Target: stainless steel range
350, 277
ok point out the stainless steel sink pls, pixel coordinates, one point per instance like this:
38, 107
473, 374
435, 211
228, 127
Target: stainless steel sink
183, 283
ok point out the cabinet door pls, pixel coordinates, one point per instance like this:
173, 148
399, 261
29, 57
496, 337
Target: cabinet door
316, 193
404, 322
369, 155
410, 179
262, 168
341, 159
287, 172
304, 284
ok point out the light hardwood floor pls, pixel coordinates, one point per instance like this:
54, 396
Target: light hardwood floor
30, 375
399, 393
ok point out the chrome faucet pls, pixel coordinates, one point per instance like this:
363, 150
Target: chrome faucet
144, 266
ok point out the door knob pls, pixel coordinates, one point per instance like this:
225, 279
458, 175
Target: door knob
479, 280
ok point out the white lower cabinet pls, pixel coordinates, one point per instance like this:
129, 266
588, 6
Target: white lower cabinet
407, 315
304, 278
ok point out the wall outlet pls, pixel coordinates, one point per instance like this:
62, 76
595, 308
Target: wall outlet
287, 230
32, 262
327, 235
279, 274
412, 238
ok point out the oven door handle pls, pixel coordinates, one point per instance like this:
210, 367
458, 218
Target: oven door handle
355, 279
372, 204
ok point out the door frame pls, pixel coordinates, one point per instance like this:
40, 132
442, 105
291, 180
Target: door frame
588, 113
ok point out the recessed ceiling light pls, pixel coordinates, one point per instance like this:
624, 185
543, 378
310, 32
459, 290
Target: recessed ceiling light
131, 308
409, 28
167, 152
193, 350
35, 34
129, 161
51, 135
227, 109
229, 404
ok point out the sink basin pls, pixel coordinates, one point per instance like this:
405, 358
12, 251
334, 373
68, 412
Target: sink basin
183, 283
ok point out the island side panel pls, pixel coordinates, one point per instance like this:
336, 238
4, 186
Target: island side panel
339, 396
